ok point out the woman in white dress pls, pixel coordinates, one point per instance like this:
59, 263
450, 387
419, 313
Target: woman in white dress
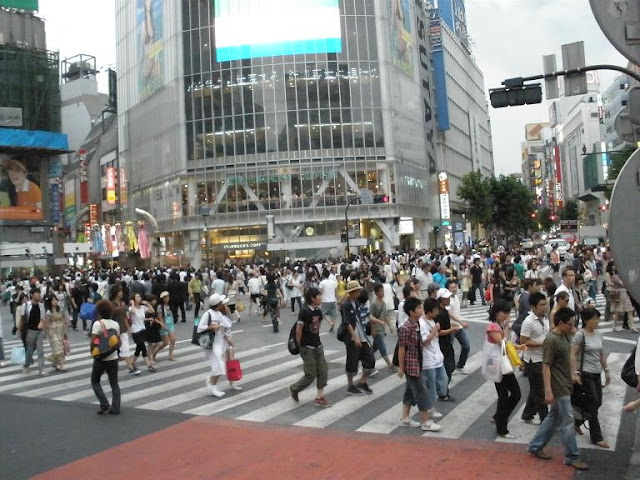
215, 320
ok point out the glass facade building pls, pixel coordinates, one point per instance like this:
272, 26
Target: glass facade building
291, 139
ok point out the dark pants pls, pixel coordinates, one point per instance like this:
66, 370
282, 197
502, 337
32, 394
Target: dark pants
592, 382
111, 367
196, 300
535, 399
74, 321
465, 348
472, 293
293, 303
449, 356
140, 338
508, 398
174, 310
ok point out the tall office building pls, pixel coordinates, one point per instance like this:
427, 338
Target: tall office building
246, 131
463, 139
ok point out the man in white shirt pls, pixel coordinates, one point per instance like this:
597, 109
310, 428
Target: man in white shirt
217, 286
423, 274
328, 287
568, 282
255, 288
534, 330
108, 364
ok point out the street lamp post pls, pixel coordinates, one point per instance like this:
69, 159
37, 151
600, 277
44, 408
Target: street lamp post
204, 212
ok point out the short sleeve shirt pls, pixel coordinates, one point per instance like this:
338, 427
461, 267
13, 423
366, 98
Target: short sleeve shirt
555, 353
493, 327
537, 330
408, 337
311, 319
96, 329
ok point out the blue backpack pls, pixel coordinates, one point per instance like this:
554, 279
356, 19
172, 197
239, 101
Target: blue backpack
87, 311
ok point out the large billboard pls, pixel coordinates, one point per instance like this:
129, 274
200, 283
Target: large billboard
20, 195
401, 41
69, 201
150, 29
21, 4
258, 28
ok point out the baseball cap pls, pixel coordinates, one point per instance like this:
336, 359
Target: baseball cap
164, 294
216, 299
443, 293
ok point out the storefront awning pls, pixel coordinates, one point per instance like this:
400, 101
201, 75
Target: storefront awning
33, 141
588, 197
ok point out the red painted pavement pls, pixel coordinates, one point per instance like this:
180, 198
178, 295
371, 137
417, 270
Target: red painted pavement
211, 448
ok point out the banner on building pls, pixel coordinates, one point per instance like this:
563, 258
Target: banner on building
69, 201
150, 31
124, 192
55, 192
93, 213
84, 184
400, 37
111, 186
20, 194
443, 188
559, 191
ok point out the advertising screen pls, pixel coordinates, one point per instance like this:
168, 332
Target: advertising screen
263, 28
150, 31
20, 195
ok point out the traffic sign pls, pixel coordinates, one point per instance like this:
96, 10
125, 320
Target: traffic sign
623, 224
573, 58
446, 223
366, 197
619, 20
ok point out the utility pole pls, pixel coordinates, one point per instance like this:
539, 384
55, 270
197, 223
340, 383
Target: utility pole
204, 212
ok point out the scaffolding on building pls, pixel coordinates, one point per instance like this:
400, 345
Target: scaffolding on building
30, 80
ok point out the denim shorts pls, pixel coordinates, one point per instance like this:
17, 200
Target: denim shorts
329, 310
415, 392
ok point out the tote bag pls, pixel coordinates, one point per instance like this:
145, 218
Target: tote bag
492, 362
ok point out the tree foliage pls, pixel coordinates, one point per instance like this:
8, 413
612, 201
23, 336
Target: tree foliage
618, 160
570, 211
476, 191
503, 202
544, 217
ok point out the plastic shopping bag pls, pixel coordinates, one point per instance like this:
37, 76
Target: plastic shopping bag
17, 355
492, 362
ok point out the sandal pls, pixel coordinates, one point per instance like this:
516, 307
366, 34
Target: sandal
152, 369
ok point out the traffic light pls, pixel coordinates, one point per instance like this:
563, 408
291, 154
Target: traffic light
511, 97
343, 236
436, 229
382, 198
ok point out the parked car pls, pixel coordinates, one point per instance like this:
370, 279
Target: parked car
527, 243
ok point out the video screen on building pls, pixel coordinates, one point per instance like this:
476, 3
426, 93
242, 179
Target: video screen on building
20, 195
264, 28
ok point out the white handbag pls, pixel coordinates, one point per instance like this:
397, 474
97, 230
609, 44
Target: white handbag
507, 368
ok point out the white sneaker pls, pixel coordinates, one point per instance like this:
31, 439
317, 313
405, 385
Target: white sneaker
235, 387
462, 371
430, 426
216, 392
374, 373
435, 414
407, 422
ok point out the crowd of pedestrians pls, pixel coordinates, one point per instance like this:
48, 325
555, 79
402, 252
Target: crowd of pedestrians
418, 295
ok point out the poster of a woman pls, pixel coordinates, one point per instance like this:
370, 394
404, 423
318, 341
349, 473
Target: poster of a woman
20, 195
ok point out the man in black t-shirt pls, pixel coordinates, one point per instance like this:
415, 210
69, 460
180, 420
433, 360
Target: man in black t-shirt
311, 351
446, 335
476, 282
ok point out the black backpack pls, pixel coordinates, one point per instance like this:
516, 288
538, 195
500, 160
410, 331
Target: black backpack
292, 344
628, 373
203, 339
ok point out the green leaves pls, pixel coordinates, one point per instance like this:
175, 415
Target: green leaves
502, 202
617, 162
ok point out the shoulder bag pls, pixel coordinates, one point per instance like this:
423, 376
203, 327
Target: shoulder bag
580, 398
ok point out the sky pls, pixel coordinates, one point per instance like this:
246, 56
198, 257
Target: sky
509, 37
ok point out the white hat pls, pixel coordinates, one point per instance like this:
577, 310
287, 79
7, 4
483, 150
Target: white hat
164, 294
216, 299
443, 293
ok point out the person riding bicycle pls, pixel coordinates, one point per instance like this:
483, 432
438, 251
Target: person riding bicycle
273, 296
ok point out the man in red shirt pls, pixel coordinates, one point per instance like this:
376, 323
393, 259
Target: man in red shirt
410, 363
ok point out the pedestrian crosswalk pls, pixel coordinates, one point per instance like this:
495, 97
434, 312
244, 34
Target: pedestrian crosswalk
269, 369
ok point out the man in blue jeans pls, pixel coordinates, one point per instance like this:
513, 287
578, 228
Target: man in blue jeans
559, 374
